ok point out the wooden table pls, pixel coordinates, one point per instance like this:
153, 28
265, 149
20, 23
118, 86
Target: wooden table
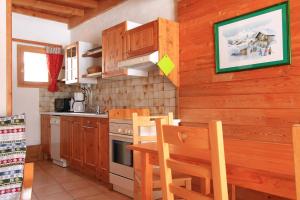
260, 166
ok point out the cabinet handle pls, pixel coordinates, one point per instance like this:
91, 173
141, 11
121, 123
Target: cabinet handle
87, 127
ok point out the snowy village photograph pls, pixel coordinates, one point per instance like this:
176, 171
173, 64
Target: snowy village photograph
255, 40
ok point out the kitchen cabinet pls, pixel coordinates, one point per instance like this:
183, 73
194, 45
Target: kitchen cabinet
113, 49
65, 137
90, 131
122, 44
45, 135
142, 40
76, 160
83, 143
103, 165
76, 64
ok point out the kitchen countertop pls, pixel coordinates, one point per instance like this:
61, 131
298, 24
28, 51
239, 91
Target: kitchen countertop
75, 114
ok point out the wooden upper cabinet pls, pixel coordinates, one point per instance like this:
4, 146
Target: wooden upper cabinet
128, 40
113, 49
76, 64
142, 40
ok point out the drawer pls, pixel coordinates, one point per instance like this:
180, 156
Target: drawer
90, 122
120, 128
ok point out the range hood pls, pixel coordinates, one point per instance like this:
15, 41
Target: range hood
142, 63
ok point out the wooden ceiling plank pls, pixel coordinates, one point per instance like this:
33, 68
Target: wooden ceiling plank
103, 6
80, 3
51, 7
40, 15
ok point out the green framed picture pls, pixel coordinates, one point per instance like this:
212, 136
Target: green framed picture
255, 40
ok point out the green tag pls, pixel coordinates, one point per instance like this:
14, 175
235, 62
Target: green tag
166, 65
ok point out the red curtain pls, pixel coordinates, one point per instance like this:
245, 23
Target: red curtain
54, 60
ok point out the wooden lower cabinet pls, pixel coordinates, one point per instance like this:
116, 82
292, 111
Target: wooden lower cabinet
103, 166
83, 143
65, 137
90, 131
45, 135
76, 159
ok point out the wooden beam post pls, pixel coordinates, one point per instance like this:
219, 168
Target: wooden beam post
80, 3
40, 15
9, 57
50, 7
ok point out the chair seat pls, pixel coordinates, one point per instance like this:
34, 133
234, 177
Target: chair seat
178, 178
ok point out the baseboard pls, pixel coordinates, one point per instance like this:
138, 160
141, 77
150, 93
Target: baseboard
33, 153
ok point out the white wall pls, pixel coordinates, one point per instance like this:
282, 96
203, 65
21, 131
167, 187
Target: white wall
140, 11
26, 100
2, 57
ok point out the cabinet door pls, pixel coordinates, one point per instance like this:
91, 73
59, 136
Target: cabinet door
65, 137
103, 170
45, 134
90, 145
76, 144
142, 40
71, 64
113, 49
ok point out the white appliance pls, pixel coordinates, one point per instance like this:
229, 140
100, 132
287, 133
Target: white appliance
143, 64
79, 102
121, 171
55, 142
121, 159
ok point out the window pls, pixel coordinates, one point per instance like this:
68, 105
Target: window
32, 67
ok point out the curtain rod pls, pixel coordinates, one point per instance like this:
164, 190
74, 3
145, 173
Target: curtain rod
36, 42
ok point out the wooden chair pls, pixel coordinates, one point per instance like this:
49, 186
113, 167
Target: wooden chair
27, 181
296, 146
146, 124
192, 141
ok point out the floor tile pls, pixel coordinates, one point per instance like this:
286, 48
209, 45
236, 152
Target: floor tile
85, 192
52, 182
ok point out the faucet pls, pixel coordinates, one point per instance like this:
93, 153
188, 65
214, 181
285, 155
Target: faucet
98, 110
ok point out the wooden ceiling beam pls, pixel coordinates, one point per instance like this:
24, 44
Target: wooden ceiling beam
103, 6
80, 3
40, 15
50, 7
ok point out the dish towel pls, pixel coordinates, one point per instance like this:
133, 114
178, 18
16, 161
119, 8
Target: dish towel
12, 156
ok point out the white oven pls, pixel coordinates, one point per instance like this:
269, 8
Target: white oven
121, 158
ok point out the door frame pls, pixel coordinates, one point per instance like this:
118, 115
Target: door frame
9, 94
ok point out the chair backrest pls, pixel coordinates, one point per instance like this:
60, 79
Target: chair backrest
144, 127
195, 141
12, 156
296, 146
144, 130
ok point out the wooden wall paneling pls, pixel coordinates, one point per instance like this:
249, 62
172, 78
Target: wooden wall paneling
9, 57
260, 105
265, 97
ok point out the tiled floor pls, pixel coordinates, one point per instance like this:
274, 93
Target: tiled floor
55, 183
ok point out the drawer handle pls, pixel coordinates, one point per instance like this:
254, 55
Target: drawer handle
87, 127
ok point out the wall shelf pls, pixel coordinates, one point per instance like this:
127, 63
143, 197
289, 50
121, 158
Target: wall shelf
93, 75
95, 53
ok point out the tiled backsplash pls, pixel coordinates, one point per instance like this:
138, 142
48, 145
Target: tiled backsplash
154, 92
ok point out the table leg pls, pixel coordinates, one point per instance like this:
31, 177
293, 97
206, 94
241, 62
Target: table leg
147, 176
